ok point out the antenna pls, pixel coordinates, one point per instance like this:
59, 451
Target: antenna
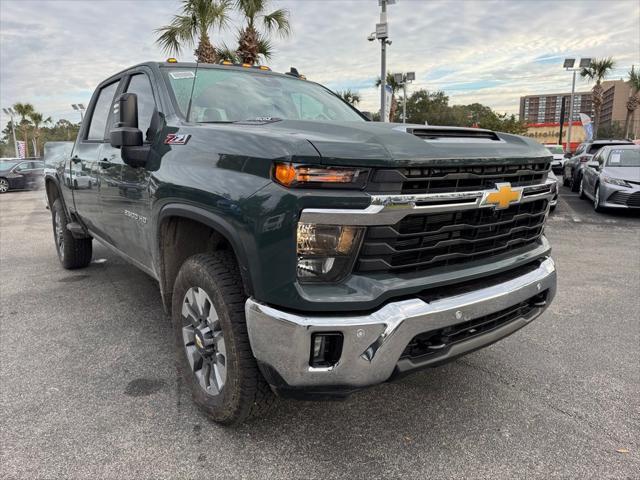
193, 85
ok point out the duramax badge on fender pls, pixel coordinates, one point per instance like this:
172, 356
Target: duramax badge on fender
301, 249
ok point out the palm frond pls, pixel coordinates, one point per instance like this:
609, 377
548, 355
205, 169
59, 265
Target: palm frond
251, 9
226, 53
634, 80
265, 48
183, 29
278, 22
598, 69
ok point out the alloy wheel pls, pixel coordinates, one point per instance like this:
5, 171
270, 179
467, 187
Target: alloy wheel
4, 185
203, 341
59, 235
596, 198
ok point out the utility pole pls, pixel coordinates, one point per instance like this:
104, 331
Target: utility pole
382, 34
11, 113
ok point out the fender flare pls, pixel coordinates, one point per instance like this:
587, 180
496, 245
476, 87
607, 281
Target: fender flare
212, 220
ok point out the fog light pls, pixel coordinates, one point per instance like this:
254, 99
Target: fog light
326, 349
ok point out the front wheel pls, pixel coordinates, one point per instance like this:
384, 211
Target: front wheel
72, 252
596, 200
214, 353
4, 185
581, 189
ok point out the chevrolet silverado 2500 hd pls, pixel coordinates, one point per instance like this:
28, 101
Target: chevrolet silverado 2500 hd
301, 249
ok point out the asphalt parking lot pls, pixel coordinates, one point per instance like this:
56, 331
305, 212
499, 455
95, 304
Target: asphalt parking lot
89, 386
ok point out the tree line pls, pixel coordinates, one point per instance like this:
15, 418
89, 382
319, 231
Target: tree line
34, 130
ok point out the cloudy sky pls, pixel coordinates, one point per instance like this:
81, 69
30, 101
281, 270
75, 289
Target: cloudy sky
53, 53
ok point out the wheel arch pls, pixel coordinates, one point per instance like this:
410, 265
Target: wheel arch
221, 235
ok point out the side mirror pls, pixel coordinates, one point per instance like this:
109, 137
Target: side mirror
126, 135
126, 132
568, 155
594, 165
369, 115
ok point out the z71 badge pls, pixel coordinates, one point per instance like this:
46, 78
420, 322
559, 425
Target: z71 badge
177, 139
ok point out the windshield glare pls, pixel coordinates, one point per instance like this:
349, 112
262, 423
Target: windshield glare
227, 95
624, 158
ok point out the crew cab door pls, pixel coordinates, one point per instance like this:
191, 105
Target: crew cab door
84, 168
124, 193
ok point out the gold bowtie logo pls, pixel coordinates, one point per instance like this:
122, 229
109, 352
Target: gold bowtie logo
503, 196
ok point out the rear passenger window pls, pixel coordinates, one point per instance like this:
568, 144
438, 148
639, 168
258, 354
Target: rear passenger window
101, 112
141, 86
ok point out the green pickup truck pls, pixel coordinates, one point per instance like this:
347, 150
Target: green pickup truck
301, 249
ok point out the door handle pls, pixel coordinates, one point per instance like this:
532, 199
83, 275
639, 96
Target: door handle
104, 163
75, 159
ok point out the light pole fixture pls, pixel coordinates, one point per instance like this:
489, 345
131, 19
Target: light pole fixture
403, 79
569, 66
11, 112
382, 34
79, 107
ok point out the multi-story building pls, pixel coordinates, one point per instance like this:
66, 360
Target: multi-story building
614, 103
546, 108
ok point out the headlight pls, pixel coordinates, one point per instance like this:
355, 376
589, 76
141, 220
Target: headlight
291, 175
326, 252
615, 181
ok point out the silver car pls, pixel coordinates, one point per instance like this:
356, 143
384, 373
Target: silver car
612, 178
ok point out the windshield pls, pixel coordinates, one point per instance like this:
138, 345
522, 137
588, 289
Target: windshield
555, 149
227, 95
624, 158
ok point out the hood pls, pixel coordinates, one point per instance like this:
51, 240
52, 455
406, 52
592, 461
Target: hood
390, 144
631, 174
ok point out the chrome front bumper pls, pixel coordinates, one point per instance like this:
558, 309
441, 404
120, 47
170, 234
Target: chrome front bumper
374, 343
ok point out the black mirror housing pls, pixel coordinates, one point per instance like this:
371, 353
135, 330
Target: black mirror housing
125, 137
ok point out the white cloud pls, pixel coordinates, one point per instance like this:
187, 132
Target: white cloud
52, 54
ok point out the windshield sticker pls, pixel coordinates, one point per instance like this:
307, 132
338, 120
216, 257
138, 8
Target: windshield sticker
615, 156
182, 74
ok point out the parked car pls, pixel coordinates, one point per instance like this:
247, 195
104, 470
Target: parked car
20, 174
301, 249
572, 170
553, 203
612, 178
559, 159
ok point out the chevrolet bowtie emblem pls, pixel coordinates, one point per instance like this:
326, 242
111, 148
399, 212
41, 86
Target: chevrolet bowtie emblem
503, 196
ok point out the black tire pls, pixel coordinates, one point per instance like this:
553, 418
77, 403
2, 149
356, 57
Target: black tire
576, 178
72, 252
565, 180
244, 393
581, 193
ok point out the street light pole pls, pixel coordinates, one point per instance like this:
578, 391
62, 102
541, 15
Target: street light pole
573, 89
569, 64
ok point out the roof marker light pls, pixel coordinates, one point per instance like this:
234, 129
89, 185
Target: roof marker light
172, 60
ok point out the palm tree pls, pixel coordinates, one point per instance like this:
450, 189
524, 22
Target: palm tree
251, 42
349, 96
395, 87
197, 19
634, 100
24, 110
37, 119
597, 72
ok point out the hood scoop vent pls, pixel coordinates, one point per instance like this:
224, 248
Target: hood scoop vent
452, 134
